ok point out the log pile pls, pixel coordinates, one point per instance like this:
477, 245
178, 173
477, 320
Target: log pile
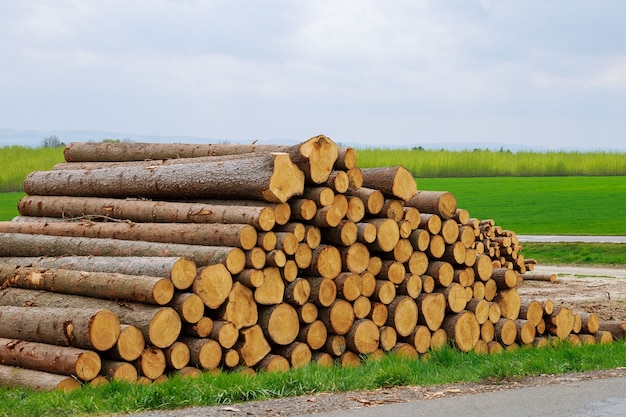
139, 261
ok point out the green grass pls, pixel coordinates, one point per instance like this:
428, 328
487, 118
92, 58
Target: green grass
445, 366
485, 163
541, 205
8, 205
18, 161
577, 253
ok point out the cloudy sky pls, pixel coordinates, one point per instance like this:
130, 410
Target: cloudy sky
392, 72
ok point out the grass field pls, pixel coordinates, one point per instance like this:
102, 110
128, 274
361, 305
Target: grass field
18, 161
541, 205
485, 163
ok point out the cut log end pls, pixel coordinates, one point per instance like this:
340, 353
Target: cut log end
286, 181
104, 330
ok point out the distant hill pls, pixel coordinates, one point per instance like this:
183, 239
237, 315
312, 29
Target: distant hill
34, 138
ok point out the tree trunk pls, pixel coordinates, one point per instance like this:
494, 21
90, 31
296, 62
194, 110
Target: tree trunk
314, 334
356, 209
81, 328
62, 360
344, 234
525, 332
616, 327
385, 291
240, 307
590, 322
280, 323
430, 222
362, 307
411, 285
151, 363
335, 345
378, 314
432, 310
207, 234
269, 177
561, 322
355, 258
201, 329
420, 338
181, 271
504, 278
297, 353
338, 318
442, 273
531, 310
456, 297
323, 291
393, 271
272, 291
372, 199
325, 262
213, 284
297, 293
505, 331
441, 203
346, 158
262, 217
225, 333
189, 306
363, 337
177, 356
112, 286
11, 376
159, 325
509, 302
273, 363
436, 247
388, 338
402, 315
391, 181
129, 345
537, 276
119, 371
17, 244
463, 329
418, 263
204, 353
387, 235
348, 286
252, 345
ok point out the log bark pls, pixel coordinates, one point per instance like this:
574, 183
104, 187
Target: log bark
344, 234
151, 363
338, 317
372, 199
272, 291
86, 329
12, 376
325, 262
313, 334
463, 329
181, 271
392, 181
204, 353
119, 371
420, 338
17, 245
346, 158
208, 234
280, 323
159, 325
189, 306
240, 307
402, 315
213, 284
297, 353
441, 203
616, 327
537, 276
129, 345
225, 333
112, 286
271, 177
432, 310
62, 360
363, 337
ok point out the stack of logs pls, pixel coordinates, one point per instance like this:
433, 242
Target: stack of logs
139, 261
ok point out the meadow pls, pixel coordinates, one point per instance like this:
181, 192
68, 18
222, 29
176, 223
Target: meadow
17, 161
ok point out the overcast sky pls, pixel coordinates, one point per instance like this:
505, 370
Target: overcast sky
393, 72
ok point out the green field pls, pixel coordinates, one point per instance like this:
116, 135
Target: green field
541, 205
17, 162
485, 163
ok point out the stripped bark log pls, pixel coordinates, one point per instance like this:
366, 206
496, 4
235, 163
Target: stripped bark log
11, 376
81, 328
159, 325
261, 217
62, 360
391, 181
181, 271
112, 286
269, 177
17, 244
